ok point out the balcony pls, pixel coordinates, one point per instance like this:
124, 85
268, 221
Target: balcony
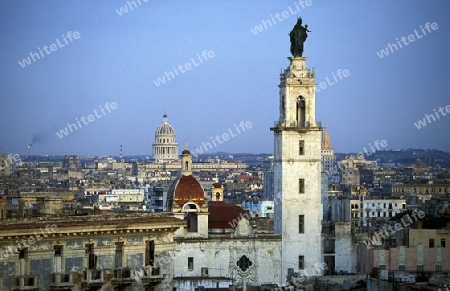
26, 283
92, 279
294, 125
152, 277
61, 282
122, 277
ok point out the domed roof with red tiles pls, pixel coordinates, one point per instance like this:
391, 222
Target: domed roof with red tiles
185, 189
217, 185
185, 152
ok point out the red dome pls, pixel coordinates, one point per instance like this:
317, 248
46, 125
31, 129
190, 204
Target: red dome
186, 152
217, 185
185, 189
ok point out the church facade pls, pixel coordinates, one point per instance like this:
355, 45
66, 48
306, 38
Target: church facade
218, 247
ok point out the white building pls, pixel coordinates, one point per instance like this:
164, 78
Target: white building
328, 156
297, 170
125, 196
380, 209
165, 147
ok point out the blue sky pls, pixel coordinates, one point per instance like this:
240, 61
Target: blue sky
117, 58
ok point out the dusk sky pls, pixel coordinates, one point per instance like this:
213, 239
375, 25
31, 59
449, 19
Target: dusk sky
118, 58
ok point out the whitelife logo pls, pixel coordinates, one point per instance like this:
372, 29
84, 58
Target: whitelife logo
188, 66
340, 73
14, 249
86, 120
280, 16
225, 136
123, 10
385, 234
430, 118
411, 38
52, 47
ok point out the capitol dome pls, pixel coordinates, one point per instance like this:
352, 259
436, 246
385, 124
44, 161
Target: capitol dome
165, 129
165, 147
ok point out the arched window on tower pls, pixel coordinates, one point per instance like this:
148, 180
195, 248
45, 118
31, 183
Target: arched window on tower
191, 217
301, 108
217, 196
186, 166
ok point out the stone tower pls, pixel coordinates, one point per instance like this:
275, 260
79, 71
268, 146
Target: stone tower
297, 171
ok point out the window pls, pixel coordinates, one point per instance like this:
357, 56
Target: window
118, 255
149, 252
301, 147
431, 243
190, 263
443, 242
301, 186
438, 268
301, 262
301, 224
92, 258
58, 251
244, 263
401, 267
89, 248
23, 253
419, 268
57, 260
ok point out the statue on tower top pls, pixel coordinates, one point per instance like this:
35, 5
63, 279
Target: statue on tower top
298, 36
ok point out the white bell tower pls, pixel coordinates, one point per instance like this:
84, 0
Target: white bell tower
297, 170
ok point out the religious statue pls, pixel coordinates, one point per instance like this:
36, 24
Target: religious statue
298, 36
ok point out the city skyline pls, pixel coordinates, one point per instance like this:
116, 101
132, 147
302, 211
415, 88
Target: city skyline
378, 76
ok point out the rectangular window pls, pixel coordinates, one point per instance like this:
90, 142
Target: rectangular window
92, 258
190, 263
149, 252
301, 147
401, 267
301, 186
58, 251
118, 255
23, 253
443, 242
57, 260
89, 248
438, 268
301, 262
431, 243
301, 224
419, 268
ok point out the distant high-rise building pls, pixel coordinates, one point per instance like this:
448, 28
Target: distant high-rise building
71, 162
165, 147
328, 157
297, 170
268, 189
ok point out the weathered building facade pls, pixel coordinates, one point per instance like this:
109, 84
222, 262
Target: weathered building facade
88, 253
